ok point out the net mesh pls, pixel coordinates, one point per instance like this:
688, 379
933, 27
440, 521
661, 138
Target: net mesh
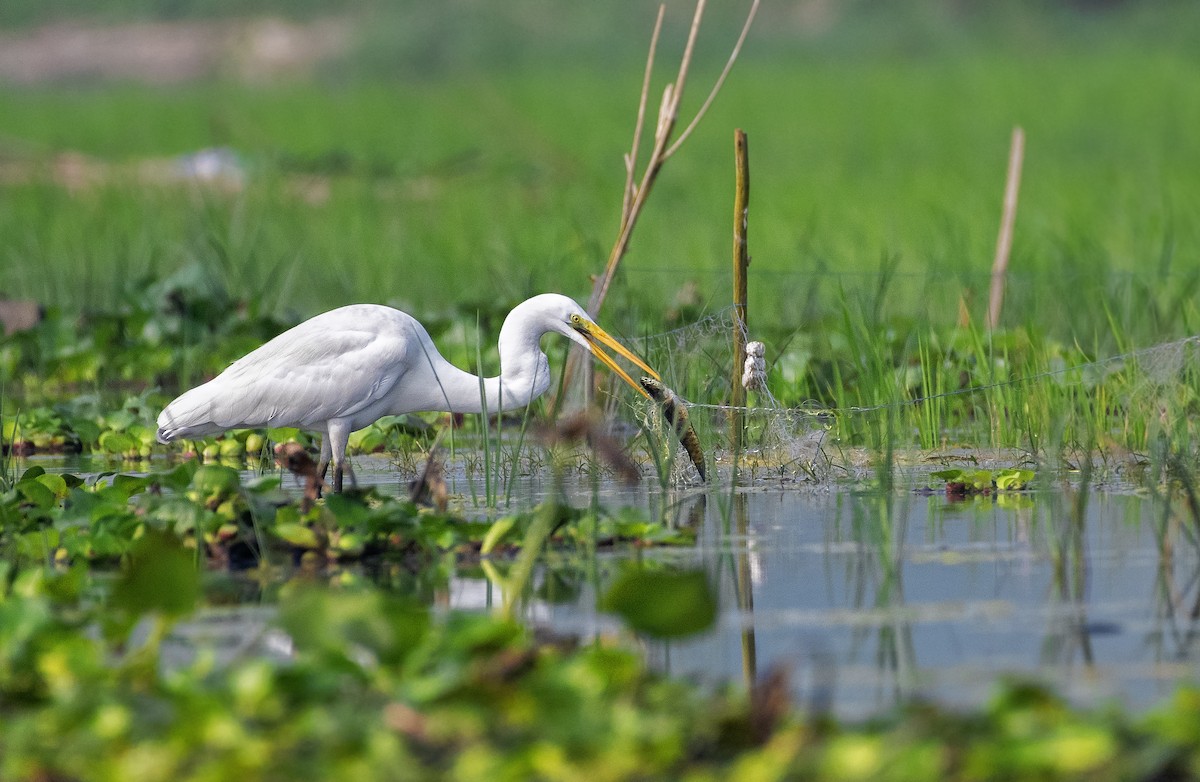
696, 361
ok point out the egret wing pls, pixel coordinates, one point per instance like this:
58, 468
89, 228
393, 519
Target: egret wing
332, 366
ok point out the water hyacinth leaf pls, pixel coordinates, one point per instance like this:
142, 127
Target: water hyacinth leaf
78, 508
347, 509
129, 485
662, 603
68, 587
283, 434
143, 434
178, 478
55, 483
37, 546
349, 543
368, 440
120, 419
231, 447
213, 483
87, 431
1013, 479
113, 442
255, 443
263, 484
161, 576
35, 492
299, 535
183, 516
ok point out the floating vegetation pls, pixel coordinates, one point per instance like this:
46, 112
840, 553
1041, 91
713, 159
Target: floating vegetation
962, 483
48, 517
374, 686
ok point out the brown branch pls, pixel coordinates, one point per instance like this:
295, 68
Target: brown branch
737, 48
634, 197
631, 158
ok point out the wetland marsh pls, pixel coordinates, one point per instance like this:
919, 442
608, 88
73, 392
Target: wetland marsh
828, 604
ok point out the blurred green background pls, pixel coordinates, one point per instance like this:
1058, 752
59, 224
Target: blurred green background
463, 155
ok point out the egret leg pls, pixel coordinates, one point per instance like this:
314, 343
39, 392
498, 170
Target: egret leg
337, 437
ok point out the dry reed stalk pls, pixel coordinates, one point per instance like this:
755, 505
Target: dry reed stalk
1016, 154
635, 194
636, 190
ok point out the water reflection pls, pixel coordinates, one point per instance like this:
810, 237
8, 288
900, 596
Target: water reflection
868, 599
873, 599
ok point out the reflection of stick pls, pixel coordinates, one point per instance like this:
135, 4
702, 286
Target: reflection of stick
1016, 154
744, 588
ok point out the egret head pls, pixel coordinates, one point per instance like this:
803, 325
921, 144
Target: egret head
569, 319
596, 339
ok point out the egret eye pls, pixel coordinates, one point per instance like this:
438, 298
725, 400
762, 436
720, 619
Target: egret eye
577, 319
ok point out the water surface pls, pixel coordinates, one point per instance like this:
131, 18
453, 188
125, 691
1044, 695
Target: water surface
871, 598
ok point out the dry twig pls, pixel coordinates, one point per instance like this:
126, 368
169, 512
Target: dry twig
1012, 187
635, 195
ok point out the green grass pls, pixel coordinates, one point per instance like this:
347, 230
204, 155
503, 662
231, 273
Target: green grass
514, 178
877, 152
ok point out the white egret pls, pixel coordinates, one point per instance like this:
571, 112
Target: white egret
344, 369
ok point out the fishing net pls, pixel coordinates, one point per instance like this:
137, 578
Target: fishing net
696, 361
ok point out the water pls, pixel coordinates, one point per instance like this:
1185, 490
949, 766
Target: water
869, 605
869, 599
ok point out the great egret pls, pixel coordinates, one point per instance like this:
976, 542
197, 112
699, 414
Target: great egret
344, 369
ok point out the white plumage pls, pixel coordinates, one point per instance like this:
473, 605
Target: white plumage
344, 369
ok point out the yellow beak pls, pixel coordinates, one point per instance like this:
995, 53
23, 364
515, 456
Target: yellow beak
596, 337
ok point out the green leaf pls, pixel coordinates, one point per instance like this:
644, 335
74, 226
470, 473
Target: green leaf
368, 440
178, 478
977, 480
1013, 479
662, 603
86, 431
116, 442
130, 485
55, 483
213, 483
161, 576
348, 509
297, 534
35, 492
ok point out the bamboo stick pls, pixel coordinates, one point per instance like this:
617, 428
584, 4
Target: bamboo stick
741, 264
